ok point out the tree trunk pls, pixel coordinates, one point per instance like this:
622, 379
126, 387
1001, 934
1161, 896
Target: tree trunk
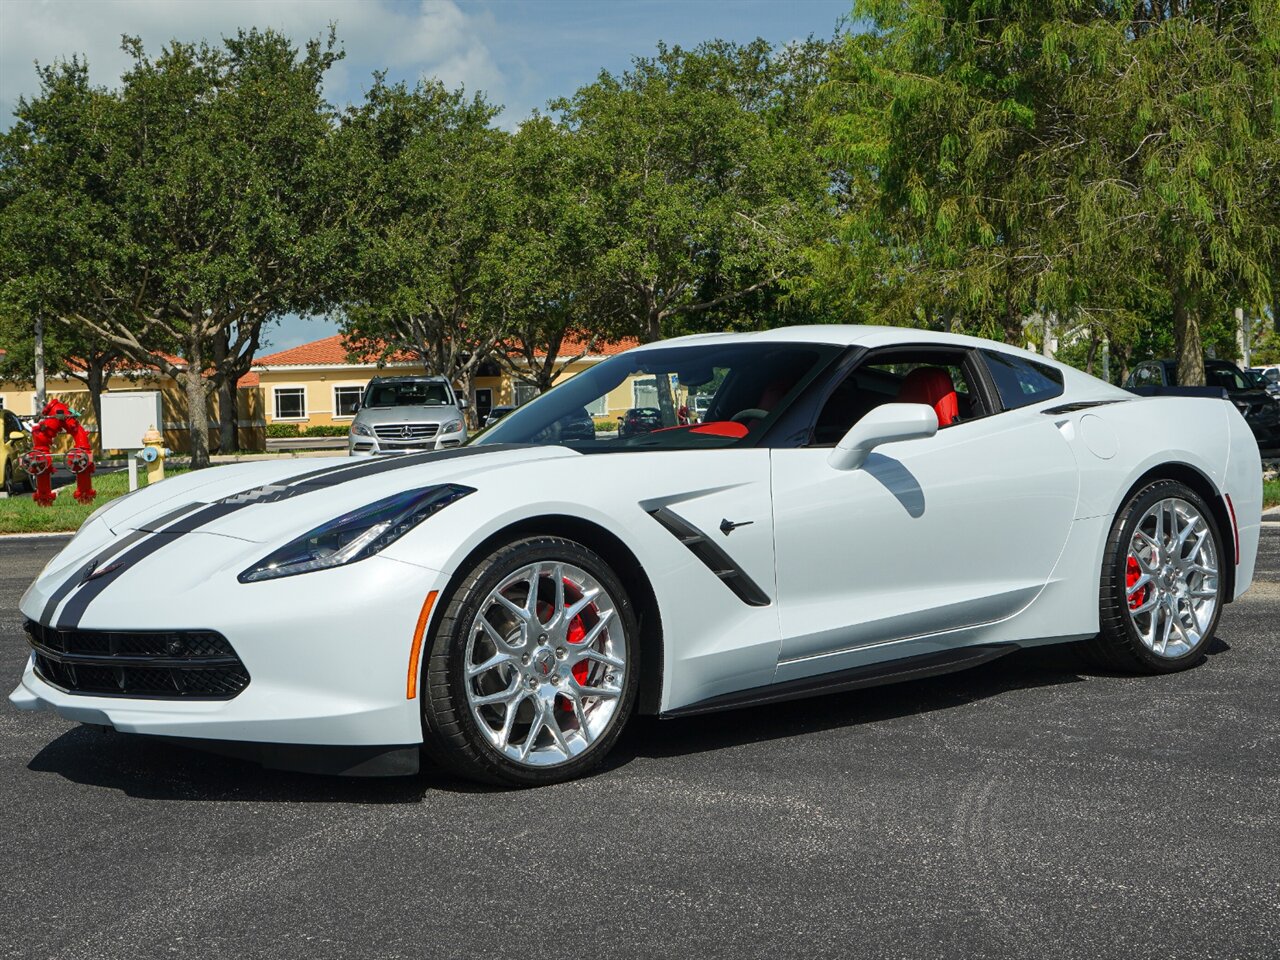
197, 408
1186, 335
227, 433
653, 333
1011, 324
93, 380
1094, 343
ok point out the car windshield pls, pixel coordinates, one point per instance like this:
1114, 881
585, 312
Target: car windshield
1229, 378
643, 399
406, 393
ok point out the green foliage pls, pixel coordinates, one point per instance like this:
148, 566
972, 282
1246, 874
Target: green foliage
1083, 160
701, 181
324, 430
179, 213
278, 431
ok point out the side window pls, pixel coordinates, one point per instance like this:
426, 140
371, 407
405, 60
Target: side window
1022, 382
939, 378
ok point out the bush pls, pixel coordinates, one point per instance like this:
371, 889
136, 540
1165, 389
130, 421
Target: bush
282, 430
330, 430
605, 424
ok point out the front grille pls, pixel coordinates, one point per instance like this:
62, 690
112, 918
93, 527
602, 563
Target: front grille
160, 665
405, 432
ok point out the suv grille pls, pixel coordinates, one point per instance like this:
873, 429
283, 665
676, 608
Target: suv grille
405, 432
161, 665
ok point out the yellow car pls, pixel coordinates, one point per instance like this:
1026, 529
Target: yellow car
14, 442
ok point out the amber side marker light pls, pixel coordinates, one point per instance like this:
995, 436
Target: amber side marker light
415, 653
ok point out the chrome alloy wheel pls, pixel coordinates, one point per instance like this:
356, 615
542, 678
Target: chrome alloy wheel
1172, 586
546, 663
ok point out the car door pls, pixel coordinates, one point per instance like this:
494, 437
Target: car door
928, 537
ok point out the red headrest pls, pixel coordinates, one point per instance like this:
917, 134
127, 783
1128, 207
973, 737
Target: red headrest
932, 385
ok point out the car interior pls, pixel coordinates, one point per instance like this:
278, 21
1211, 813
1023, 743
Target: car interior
937, 378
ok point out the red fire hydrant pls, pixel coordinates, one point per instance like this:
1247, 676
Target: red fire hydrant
38, 463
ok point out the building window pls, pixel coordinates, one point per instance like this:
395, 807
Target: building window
524, 392
345, 400
599, 407
291, 403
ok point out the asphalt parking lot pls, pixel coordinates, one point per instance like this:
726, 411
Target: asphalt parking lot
1023, 809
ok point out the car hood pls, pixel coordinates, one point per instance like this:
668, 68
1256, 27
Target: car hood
265, 502
380, 415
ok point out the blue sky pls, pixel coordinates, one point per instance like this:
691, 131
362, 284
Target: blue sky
522, 53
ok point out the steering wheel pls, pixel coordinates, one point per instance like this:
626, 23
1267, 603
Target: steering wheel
751, 413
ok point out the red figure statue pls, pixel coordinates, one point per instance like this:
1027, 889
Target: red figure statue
56, 416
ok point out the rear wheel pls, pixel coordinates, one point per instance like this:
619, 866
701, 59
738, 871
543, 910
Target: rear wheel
532, 672
1161, 588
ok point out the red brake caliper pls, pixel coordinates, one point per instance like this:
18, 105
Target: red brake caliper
1132, 572
576, 634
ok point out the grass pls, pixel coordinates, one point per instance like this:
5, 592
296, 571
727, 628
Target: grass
22, 515
1271, 493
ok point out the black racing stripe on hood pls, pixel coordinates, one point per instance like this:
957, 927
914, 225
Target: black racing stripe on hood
161, 535
78, 576
80, 600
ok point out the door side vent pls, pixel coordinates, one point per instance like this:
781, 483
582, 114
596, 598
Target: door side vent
713, 557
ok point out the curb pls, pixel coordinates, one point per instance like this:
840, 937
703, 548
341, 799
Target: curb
37, 536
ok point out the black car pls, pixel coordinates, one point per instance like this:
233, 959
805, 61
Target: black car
1260, 410
639, 420
496, 414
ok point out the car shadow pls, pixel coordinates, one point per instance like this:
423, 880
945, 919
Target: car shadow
153, 769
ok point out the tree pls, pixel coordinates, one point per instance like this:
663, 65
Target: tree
702, 197
196, 198
1000, 159
542, 282
421, 168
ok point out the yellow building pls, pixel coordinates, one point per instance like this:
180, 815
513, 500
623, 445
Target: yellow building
312, 385
315, 384
20, 398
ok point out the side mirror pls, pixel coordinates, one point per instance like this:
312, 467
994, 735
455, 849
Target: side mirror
355, 407
463, 403
17, 435
887, 423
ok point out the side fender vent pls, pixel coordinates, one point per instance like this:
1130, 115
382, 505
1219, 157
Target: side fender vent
713, 557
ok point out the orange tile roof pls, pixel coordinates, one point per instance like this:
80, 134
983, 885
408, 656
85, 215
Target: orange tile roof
335, 349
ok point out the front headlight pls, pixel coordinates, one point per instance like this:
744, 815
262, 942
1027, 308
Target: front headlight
356, 535
453, 426
362, 429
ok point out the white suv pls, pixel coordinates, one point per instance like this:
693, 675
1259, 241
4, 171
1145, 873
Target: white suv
397, 414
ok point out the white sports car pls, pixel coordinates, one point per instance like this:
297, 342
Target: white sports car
857, 505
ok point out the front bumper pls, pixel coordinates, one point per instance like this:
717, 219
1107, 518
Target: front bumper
362, 446
328, 652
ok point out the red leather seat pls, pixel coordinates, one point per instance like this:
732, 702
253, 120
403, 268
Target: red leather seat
932, 385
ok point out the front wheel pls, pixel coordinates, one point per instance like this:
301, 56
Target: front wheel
1161, 588
532, 673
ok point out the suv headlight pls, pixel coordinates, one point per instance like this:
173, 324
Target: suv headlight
356, 535
452, 426
362, 429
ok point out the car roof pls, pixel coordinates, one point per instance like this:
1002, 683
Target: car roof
422, 377
848, 335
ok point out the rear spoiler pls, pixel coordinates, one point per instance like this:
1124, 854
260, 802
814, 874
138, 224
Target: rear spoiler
1213, 393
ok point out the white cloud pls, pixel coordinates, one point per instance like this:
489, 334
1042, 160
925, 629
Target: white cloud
427, 38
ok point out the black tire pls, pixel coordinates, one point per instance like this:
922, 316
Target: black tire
1118, 645
11, 486
451, 734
